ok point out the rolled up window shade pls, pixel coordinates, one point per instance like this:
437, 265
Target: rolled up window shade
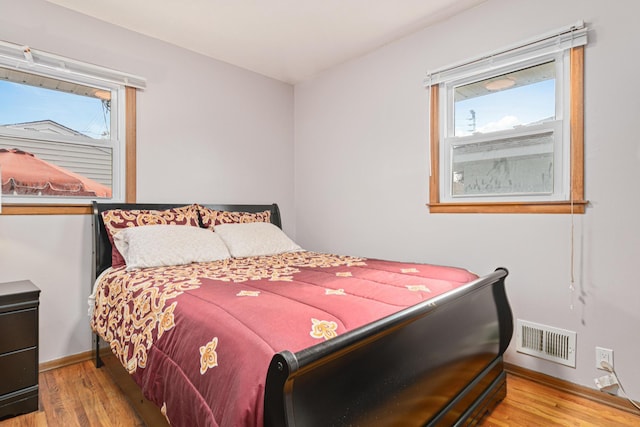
35, 61
549, 43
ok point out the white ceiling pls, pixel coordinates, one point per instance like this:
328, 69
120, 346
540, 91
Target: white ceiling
289, 40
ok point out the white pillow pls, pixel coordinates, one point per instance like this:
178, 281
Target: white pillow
164, 245
255, 239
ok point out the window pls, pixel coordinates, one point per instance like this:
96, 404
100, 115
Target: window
57, 139
507, 129
67, 131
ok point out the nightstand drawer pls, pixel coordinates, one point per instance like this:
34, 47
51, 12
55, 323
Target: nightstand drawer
18, 370
19, 302
19, 402
19, 330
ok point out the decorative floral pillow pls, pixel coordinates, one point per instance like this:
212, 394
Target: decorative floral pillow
211, 217
118, 219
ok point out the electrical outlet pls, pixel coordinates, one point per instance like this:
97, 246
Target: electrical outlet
603, 355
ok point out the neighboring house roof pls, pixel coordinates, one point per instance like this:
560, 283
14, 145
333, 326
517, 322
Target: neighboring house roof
48, 126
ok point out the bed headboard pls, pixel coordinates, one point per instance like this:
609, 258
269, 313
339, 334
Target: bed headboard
102, 246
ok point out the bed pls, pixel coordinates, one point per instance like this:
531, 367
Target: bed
426, 350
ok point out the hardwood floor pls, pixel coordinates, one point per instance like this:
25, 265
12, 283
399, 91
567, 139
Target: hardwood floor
532, 404
80, 395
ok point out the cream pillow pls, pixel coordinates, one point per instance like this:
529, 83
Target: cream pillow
255, 239
164, 245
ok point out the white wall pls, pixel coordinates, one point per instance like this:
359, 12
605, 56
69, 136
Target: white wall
361, 176
207, 132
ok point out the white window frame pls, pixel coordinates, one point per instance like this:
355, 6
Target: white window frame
45, 64
559, 127
554, 46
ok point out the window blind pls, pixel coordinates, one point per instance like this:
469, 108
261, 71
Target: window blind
549, 43
39, 62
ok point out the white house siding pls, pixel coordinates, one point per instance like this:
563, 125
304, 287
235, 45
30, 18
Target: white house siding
90, 161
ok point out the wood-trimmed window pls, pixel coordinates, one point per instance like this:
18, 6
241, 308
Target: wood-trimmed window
540, 163
69, 136
84, 208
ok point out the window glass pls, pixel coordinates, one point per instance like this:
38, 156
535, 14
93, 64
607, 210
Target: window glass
523, 97
56, 137
69, 108
510, 166
503, 140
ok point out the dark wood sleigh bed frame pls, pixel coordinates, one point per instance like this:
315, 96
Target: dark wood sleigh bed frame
436, 363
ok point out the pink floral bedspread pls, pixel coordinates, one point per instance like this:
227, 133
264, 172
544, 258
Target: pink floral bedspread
198, 338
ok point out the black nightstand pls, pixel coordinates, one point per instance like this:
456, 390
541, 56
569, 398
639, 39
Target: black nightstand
18, 348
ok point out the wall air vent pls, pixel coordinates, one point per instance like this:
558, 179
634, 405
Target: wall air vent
556, 345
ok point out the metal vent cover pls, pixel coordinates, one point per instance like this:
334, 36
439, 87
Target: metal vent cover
546, 342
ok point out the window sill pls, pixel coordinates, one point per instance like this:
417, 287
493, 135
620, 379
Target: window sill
563, 207
44, 209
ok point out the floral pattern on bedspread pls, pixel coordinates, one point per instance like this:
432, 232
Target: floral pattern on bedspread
131, 327
323, 329
208, 356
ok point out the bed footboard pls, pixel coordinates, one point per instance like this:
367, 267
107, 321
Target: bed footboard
437, 363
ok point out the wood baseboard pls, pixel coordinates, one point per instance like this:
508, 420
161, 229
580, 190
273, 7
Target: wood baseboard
604, 398
65, 361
